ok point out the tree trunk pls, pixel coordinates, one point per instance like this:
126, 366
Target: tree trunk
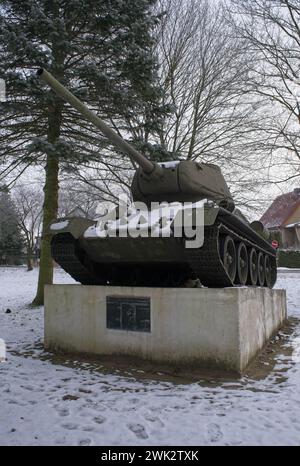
29, 259
50, 205
49, 213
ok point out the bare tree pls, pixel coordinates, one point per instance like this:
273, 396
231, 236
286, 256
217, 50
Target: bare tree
271, 28
29, 206
101, 181
11, 241
77, 199
202, 71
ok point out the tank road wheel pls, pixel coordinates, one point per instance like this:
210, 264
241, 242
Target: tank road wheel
253, 270
269, 272
228, 256
242, 264
261, 269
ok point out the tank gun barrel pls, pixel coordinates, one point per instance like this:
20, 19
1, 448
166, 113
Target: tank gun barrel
119, 142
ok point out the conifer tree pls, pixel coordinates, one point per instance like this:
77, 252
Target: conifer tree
102, 50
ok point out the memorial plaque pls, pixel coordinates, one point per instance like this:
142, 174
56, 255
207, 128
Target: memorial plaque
125, 313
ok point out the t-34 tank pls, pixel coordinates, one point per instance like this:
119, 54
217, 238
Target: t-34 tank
233, 252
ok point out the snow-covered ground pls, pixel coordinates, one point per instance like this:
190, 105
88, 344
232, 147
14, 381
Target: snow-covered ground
48, 401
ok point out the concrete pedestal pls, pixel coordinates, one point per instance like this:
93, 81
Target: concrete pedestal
220, 327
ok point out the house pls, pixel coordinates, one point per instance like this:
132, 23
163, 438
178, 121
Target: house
283, 218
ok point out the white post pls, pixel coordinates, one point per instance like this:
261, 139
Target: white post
2, 350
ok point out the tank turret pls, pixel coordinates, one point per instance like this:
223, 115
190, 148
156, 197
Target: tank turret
180, 181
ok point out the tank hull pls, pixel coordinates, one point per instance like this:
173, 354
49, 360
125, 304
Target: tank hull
164, 261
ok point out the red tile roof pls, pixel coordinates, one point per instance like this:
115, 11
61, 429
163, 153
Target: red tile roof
281, 209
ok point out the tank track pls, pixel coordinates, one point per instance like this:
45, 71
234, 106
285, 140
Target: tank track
65, 251
207, 264
204, 263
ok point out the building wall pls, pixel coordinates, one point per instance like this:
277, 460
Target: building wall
289, 239
294, 217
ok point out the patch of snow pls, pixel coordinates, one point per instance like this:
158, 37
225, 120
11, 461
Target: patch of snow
170, 164
59, 225
44, 401
292, 225
92, 232
288, 269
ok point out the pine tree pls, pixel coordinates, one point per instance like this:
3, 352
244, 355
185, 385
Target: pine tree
102, 50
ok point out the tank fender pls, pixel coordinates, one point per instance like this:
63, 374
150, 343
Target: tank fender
210, 214
76, 226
